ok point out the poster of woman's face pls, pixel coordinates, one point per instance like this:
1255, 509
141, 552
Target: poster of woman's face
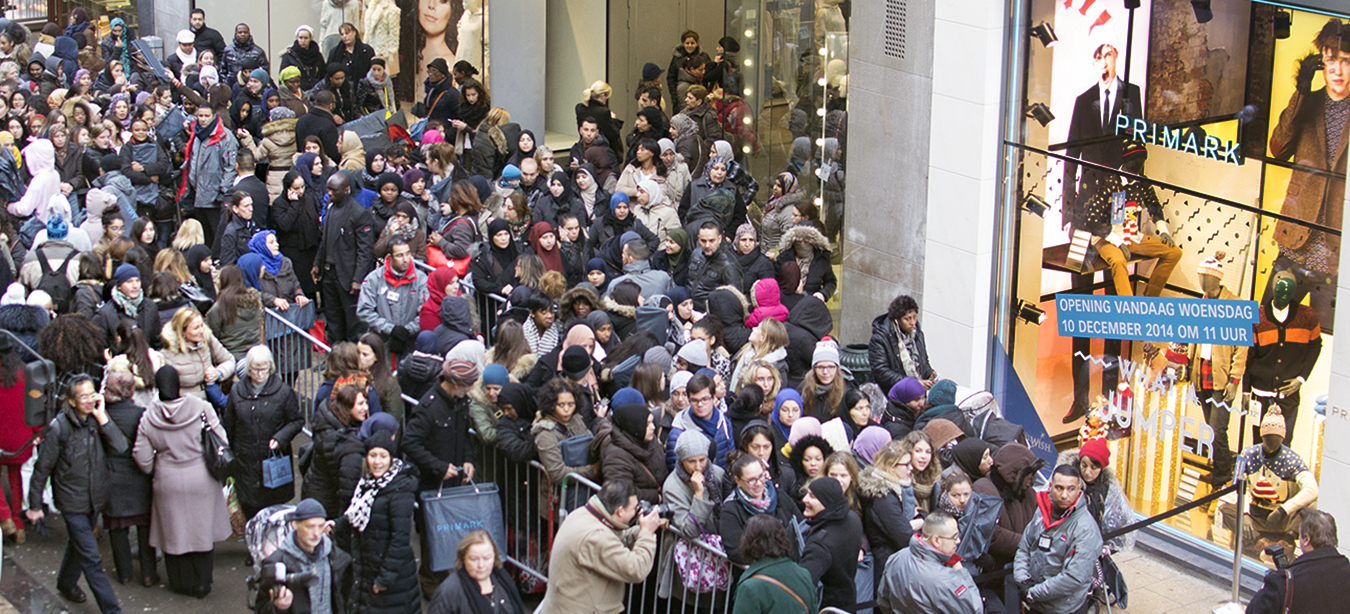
449, 29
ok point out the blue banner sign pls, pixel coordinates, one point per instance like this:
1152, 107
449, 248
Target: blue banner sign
1139, 318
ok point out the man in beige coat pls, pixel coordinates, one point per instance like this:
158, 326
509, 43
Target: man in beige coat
596, 553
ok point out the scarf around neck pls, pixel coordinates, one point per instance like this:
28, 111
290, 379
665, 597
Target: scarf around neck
127, 304
358, 513
320, 589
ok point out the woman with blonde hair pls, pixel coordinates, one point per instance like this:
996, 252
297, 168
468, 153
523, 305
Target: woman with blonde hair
594, 106
890, 513
768, 344
479, 583
201, 360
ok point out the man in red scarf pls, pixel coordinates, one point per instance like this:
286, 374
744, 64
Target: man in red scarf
391, 296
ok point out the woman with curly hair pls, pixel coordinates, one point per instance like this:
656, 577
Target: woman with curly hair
925, 468
74, 344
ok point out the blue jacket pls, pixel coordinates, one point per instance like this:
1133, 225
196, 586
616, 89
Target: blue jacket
722, 441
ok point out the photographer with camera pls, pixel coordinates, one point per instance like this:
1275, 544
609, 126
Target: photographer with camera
74, 454
1312, 583
597, 552
308, 574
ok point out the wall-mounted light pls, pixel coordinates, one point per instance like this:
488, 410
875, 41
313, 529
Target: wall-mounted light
822, 51
1041, 113
749, 33
747, 91
1030, 313
821, 111
1131, 4
1204, 12
1046, 34
1283, 20
1035, 205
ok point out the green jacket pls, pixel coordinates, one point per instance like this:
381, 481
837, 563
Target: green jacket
759, 596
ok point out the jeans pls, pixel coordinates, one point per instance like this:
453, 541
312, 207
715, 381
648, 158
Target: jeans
82, 557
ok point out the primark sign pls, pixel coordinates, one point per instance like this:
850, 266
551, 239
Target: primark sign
1178, 139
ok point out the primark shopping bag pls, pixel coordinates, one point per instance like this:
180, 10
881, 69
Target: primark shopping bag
449, 514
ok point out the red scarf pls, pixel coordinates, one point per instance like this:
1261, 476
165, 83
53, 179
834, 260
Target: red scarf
409, 276
217, 134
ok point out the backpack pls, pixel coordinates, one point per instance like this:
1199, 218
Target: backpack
56, 283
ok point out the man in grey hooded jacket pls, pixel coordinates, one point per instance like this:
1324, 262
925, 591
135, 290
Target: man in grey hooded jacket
1058, 553
928, 575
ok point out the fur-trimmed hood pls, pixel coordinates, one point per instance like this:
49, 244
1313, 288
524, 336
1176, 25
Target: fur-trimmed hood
804, 232
874, 484
524, 365
617, 309
280, 128
175, 346
565, 312
718, 305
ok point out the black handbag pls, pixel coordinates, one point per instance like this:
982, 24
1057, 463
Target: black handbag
217, 454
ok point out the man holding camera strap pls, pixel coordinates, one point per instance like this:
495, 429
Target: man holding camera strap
308, 574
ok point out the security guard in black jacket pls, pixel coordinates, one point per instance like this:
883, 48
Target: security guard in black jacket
346, 255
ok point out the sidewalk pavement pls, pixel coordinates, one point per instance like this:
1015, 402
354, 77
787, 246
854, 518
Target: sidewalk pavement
1160, 587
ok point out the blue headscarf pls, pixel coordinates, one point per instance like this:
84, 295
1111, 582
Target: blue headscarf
251, 263
126, 41
68, 50
786, 394
305, 166
258, 245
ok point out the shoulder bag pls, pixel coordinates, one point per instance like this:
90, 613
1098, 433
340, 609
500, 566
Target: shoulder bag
215, 453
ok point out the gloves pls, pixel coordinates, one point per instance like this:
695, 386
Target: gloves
1307, 68
1125, 251
1230, 392
401, 338
1166, 238
1277, 519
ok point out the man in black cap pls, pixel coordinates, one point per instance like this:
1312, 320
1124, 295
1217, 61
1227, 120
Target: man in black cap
442, 99
324, 586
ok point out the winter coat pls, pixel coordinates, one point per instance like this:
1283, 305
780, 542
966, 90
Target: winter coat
673, 72
728, 306
705, 200
490, 274
340, 578
660, 217
233, 240
285, 284
191, 363
707, 273
25, 321
820, 277
919, 579
609, 126
606, 229
75, 454
437, 436
735, 515
754, 267
130, 487
1012, 464
382, 553
831, 557
55, 251
319, 122
1060, 575
652, 282
310, 73
335, 466
456, 324
278, 149
705, 117
594, 559
188, 512
297, 222
640, 462
347, 232
691, 518
1314, 579
514, 438
883, 354
759, 596
109, 315
549, 433
210, 168
145, 182
888, 506
376, 308
252, 417
1106, 501
356, 61
777, 222
720, 437
242, 58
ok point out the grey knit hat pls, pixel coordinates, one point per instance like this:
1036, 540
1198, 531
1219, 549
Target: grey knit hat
691, 444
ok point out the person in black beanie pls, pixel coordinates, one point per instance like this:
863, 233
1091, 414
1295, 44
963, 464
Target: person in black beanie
633, 452
378, 526
831, 553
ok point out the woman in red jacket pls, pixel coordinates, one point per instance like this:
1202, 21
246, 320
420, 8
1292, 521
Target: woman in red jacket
15, 437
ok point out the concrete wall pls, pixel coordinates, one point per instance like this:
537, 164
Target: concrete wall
890, 108
273, 22
518, 58
575, 59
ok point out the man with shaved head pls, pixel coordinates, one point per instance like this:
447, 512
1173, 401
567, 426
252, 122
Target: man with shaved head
346, 255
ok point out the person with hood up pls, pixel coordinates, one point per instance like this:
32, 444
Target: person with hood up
811, 251
632, 452
418, 371
378, 525
53, 74
189, 513
1057, 578
456, 322
831, 553
261, 418
277, 147
767, 305
653, 210
928, 576
1104, 497
728, 307
1012, 478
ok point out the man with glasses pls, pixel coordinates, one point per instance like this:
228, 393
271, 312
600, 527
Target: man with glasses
74, 454
1058, 553
702, 416
1312, 132
928, 575
1314, 581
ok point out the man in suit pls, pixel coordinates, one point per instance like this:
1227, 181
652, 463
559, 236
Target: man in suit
1094, 115
1313, 131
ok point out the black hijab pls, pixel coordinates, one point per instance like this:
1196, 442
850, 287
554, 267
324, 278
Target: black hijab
831, 495
516, 154
506, 256
968, 455
166, 382
519, 397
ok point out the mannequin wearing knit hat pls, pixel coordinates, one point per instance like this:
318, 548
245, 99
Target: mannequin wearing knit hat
1216, 372
1279, 481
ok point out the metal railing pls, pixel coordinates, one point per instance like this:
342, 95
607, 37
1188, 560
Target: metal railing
300, 358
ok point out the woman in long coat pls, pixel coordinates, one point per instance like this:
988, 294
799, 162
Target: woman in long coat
130, 488
378, 525
188, 515
261, 418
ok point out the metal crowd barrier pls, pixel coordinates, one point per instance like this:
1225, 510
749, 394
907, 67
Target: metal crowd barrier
300, 358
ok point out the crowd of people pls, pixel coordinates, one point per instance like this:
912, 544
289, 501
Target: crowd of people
660, 333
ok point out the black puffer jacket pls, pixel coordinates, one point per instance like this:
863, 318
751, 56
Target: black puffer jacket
820, 278
130, 487
754, 267
253, 417
336, 464
514, 438
887, 511
25, 321
382, 553
883, 355
708, 273
729, 306
417, 373
74, 454
809, 321
437, 436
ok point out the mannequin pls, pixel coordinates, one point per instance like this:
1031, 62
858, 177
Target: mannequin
1288, 343
1115, 216
471, 35
1279, 483
1216, 372
381, 33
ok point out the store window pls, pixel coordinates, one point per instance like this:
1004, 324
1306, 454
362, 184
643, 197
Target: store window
1195, 154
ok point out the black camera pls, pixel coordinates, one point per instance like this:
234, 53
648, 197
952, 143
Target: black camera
646, 507
273, 575
1276, 552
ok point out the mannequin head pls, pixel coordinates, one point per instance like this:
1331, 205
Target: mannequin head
1211, 285
1133, 156
1284, 289
1210, 274
1272, 431
1272, 443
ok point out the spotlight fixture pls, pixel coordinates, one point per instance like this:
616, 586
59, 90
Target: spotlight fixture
1131, 4
1030, 313
1035, 204
1046, 34
1203, 11
1283, 19
1041, 113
